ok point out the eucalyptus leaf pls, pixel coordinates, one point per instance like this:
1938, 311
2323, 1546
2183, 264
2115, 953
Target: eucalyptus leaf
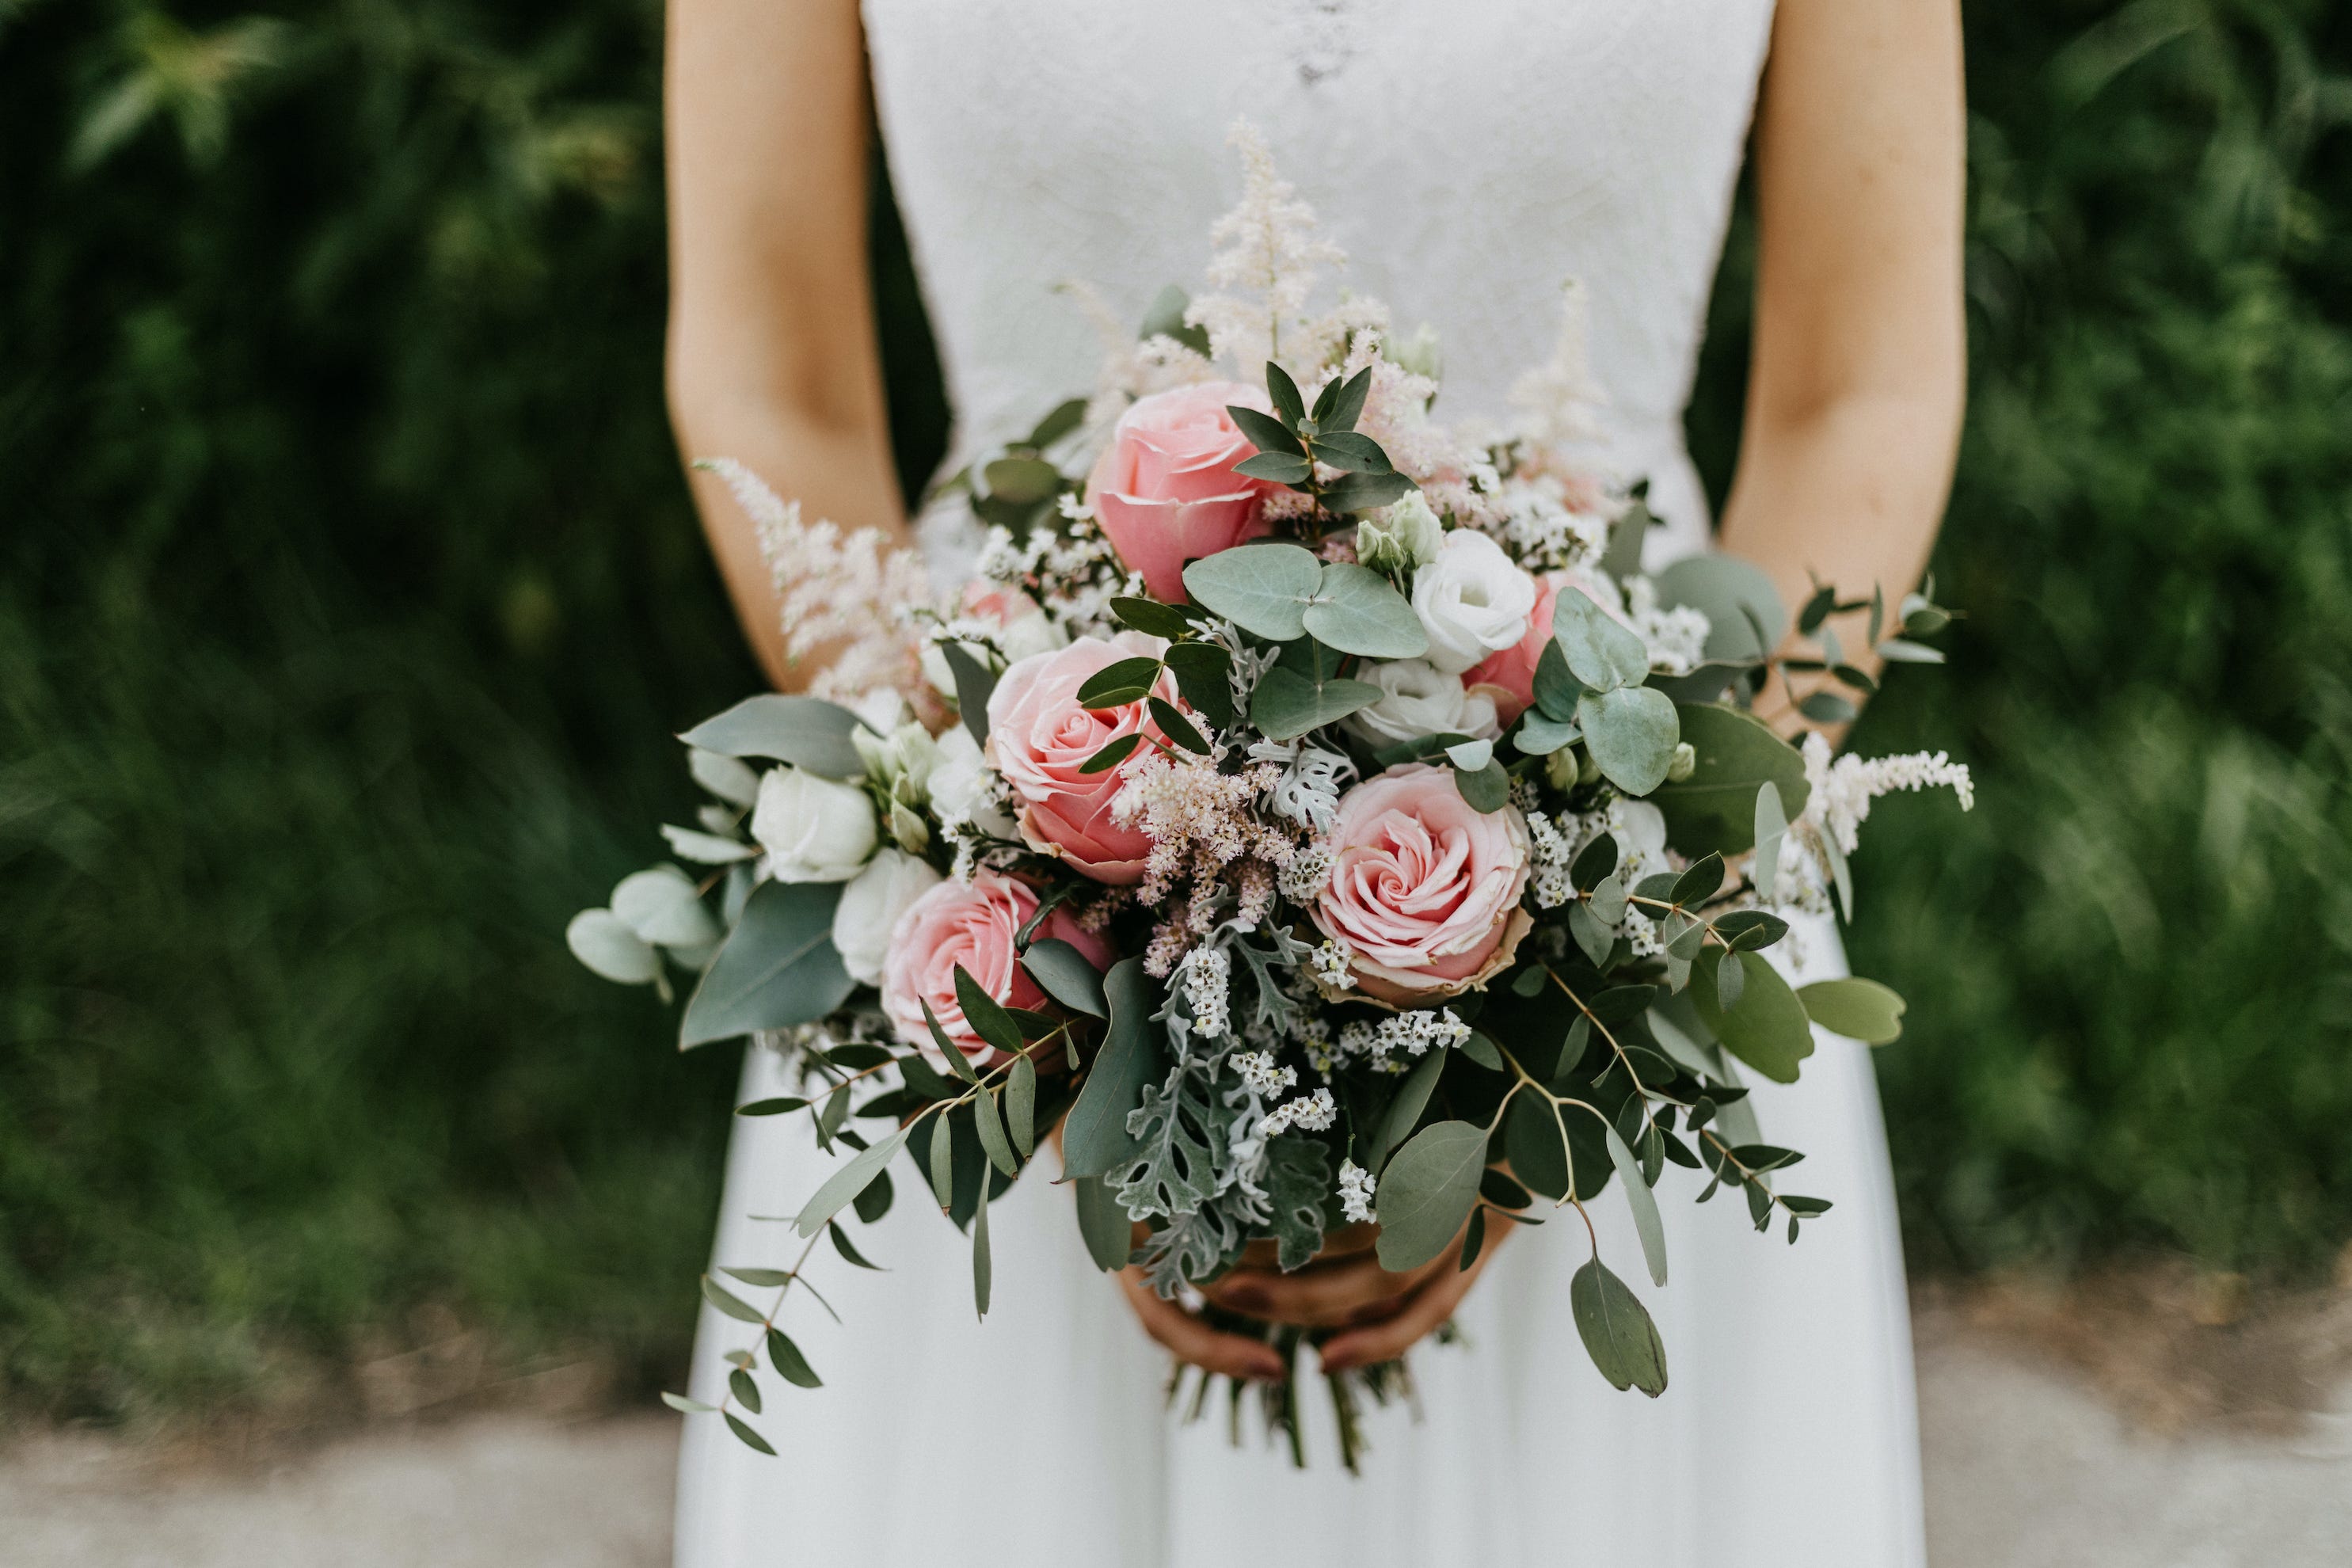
1538, 736
807, 731
1411, 1099
1165, 319
1771, 829
848, 1183
1645, 1205
1095, 1139
1601, 652
749, 1439
1487, 789
778, 967
1021, 1106
1067, 976
984, 1265
986, 1015
1720, 586
1356, 610
1556, 686
1714, 810
1103, 1223
705, 848
1617, 1330
1630, 732
790, 1364
1262, 588
1857, 1008
603, 942
1428, 1191
733, 1306
1287, 705
1769, 1030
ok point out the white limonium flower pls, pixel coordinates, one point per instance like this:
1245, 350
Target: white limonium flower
1473, 601
1676, 637
813, 828
1315, 1112
1329, 962
871, 903
1402, 537
1356, 1187
1258, 1070
1422, 699
1207, 980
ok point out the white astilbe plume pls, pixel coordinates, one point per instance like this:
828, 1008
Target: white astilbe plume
1843, 790
844, 596
1266, 260
1556, 400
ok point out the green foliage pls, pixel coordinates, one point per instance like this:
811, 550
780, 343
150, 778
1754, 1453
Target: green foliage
2129, 969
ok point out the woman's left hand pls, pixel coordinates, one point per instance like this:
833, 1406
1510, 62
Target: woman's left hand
1381, 1315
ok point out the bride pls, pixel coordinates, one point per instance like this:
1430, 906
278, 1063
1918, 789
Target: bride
1469, 156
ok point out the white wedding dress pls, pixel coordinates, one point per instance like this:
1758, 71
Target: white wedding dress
1469, 155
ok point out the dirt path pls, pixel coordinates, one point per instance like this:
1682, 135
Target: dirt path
2027, 1467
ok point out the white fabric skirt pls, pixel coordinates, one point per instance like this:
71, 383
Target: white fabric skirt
1787, 1438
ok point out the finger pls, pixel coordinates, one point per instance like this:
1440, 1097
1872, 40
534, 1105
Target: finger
1190, 1340
1433, 1305
1317, 1297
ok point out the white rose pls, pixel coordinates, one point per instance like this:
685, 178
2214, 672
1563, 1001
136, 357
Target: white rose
1473, 600
814, 829
1422, 700
963, 788
871, 903
1400, 536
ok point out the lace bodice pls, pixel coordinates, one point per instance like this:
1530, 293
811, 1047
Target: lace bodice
1468, 154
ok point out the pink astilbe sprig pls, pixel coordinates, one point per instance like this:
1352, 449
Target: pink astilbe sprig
1266, 261
1200, 821
847, 596
1557, 400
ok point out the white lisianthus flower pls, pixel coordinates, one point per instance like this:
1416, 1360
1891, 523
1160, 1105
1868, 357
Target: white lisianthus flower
814, 829
962, 789
1422, 699
1473, 601
1402, 537
871, 903
906, 753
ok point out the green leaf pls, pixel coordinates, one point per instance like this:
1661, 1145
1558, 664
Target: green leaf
1285, 392
1103, 1223
777, 968
1480, 1046
986, 1015
1021, 1106
1298, 1180
1203, 672
1859, 1009
807, 731
1022, 481
1067, 976
1428, 1191
958, 1062
1177, 728
1720, 585
1473, 1240
1899, 651
1556, 686
942, 1173
1411, 1099
1817, 609
1153, 618
1827, 707
1262, 588
603, 942
733, 1306
1730, 985
1771, 828
1714, 810
1600, 652
848, 1250
874, 1201
1351, 454
1287, 704
790, 1364
1487, 789
1061, 421
1357, 610
1609, 901
1365, 493
848, 1183
1267, 434
1594, 939
746, 1391
992, 1133
1617, 1330
751, 1439
1280, 467
1631, 732
1111, 755
1345, 401
1645, 1205
1769, 1030
776, 1107
1165, 319
1117, 684
983, 1268
1095, 1139
685, 1406
1593, 863
1538, 736
1698, 882
1622, 558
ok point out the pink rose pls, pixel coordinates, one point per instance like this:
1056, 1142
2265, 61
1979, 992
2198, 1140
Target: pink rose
968, 925
1425, 891
1166, 492
1510, 676
1038, 737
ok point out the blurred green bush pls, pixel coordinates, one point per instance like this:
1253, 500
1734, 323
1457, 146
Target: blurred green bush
349, 585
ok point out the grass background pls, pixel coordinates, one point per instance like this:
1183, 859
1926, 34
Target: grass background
347, 587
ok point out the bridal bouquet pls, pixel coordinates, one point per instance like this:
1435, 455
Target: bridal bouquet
1310, 808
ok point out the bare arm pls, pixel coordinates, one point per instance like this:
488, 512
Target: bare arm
1855, 394
772, 354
